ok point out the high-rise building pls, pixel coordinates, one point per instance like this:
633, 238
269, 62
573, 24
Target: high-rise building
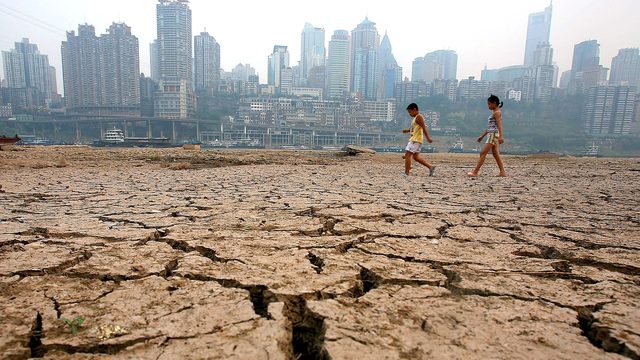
365, 52
489, 74
14, 69
625, 68
437, 65
392, 77
538, 32
427, 69
120, 66
543, 72
313, 51
317, 77
587, 53
101, 74
175, 98
608, 109
277, 62
207, 61
26, 67
386, 55
153, 60
338, 65
82, 68
449, 60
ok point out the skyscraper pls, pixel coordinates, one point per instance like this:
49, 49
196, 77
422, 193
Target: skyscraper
175, 98
386, 54
82, 68
587, 53
543, 72
449, 60
436, 65
625, 68
277, 61
538, 32
26, 67
338, 64
207, 61
121, 66
101, 74
14, 69
153, 60
392, 77
365, 46
313, 50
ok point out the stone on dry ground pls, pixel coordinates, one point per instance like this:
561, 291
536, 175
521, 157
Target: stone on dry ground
311, 255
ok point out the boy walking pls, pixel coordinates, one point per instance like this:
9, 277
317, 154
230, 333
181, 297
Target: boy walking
415, 142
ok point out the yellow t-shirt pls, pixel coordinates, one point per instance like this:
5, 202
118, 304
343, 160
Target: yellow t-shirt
416, 131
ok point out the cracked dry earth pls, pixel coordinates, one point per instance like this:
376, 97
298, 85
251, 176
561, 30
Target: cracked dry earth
296, 256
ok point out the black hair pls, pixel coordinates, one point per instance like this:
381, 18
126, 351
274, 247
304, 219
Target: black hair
412, 106
495, 100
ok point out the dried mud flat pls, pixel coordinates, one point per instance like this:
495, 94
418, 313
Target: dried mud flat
171, 254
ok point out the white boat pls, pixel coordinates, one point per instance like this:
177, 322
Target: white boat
113, 136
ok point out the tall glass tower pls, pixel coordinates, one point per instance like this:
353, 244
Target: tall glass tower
365, 53
313, 50
538, 32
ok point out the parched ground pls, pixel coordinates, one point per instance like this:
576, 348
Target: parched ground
170, 254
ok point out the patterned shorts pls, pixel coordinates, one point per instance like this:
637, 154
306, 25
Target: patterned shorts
413, 147
493, 138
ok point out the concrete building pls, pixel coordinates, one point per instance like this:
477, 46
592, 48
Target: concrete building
448, 88
515, 95
317, 77
625, 68
82, 68
14, 69
365, 53
120, 66
489, 74
175, 98
538, 33
608, 109
339, 65
380, 110
407, 92
543, 72
471, 88
26, 67
207, 61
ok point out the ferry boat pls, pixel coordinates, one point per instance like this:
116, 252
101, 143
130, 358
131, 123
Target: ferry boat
115, 138
458, 147
592, 150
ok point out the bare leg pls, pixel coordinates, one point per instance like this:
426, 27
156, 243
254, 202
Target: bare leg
422, 161
483, 156
407, 162
496, 154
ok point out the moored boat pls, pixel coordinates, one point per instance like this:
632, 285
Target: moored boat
4, 140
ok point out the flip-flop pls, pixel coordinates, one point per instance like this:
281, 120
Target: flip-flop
433, 169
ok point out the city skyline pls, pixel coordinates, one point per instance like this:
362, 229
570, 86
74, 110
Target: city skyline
479, 42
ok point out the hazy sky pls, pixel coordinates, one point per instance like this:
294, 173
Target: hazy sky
488, 32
